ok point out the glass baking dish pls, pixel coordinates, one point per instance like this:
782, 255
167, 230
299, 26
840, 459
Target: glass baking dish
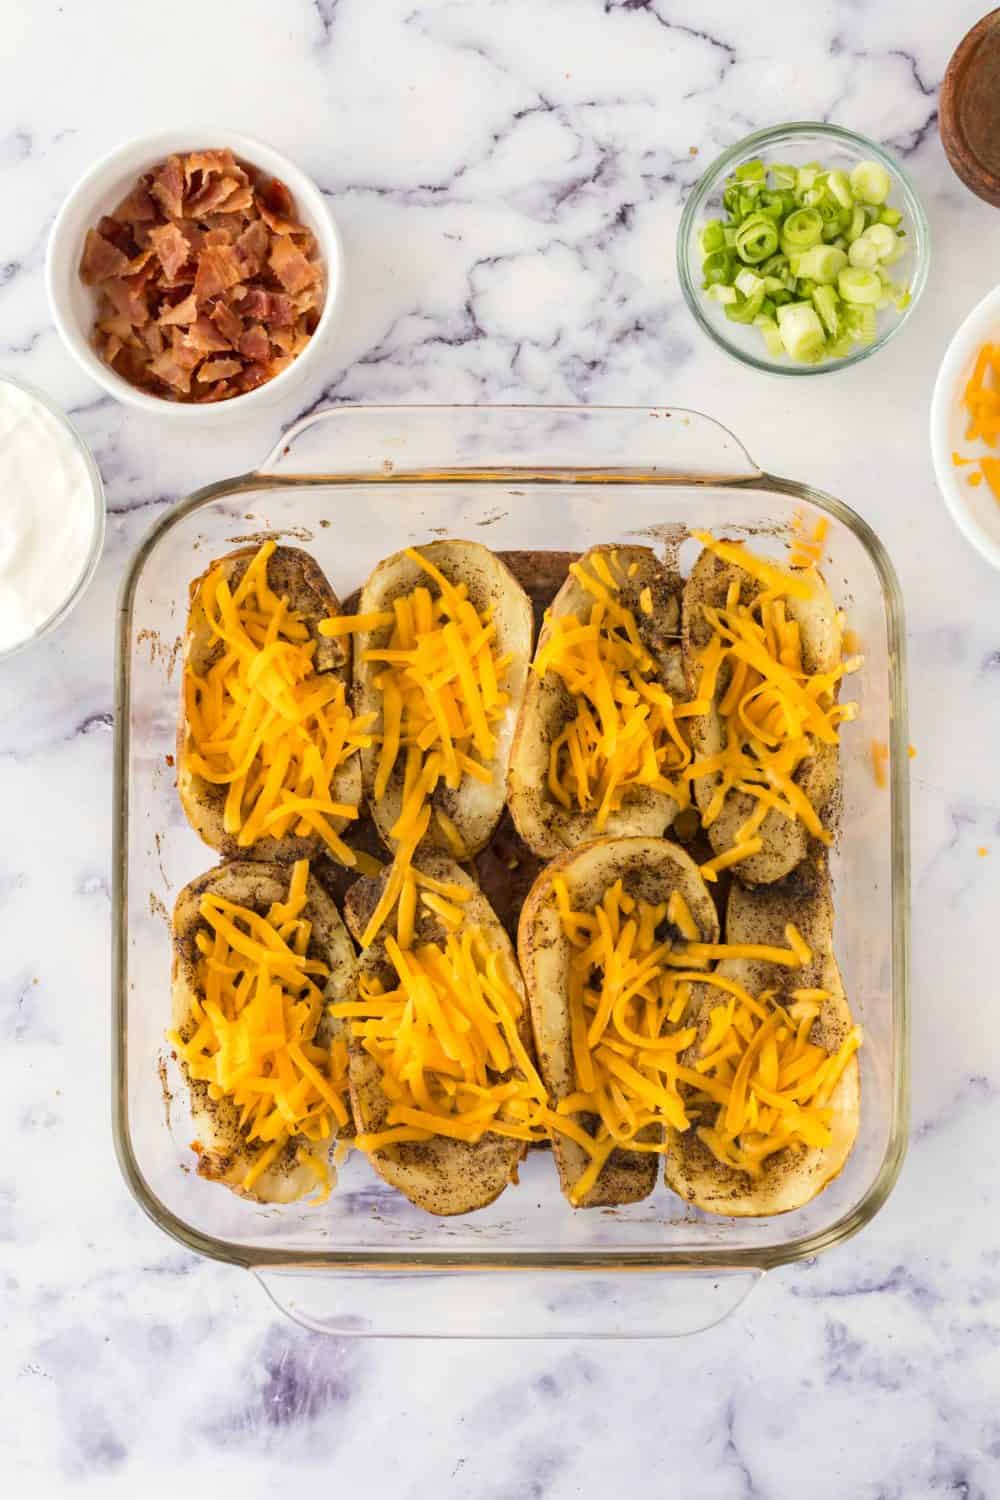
353, 484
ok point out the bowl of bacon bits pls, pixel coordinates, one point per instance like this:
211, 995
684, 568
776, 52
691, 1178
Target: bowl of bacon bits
186, 273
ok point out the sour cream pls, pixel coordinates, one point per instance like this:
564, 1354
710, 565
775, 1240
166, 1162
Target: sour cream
50, 518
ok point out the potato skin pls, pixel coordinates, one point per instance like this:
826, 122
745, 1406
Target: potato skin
792, 1177
293, 573
546, 826
443, 1176
785, 843
474, 807
649, 869
224, 1155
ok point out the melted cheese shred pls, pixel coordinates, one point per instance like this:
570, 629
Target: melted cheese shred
445, 1035
762, 1084
253, 1040
625, 731
262, 722
774, 712
442, 686
631, 967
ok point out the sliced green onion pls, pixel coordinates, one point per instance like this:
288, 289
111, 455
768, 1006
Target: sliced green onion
857, 224
827, 304
802, 254
713, 237
748, 282
751, 171
822, 263
858, 286
756, 238
839, 187
883, 238
772, 336
783, 176
860, 322
870, 182
801, 230
717, 267
801, 331
864, 253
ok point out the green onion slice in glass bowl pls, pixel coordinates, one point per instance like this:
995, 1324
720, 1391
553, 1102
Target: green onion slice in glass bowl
803, 249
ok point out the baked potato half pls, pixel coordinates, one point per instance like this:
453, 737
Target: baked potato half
296, 577
650, 871
547, 826
784, 841
796, 1173
472, 808
225, 1152
443, 1175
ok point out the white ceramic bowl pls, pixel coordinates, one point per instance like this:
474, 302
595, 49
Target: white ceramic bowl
90, 554
102, 188
975, 509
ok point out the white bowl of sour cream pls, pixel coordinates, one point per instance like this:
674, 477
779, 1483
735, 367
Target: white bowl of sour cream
51, 516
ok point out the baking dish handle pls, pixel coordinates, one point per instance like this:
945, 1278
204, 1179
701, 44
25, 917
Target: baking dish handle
391, 444
482, 1303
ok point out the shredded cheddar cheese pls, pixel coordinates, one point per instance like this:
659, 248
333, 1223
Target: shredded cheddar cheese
775, 713
447, 1043
624, 733
806, 551
760, 1083
880, 761
252, 1038
261, 721
630, 974
981, 397
442, 685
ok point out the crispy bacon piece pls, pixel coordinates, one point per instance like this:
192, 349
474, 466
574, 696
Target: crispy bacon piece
168, 368
207, 286
137, 207
289, 265
168, 187
208, 162
254, 344
255, 375
218, 269
252, 247
227, 322
127, 295
205, 336
120, 235
152, 337
171, 247
272, 308
181, 314
218, 369
100, 259
211, 197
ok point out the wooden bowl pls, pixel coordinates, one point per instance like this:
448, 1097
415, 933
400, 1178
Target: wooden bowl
969, 109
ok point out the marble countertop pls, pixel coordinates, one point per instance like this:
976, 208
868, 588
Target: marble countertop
508, 178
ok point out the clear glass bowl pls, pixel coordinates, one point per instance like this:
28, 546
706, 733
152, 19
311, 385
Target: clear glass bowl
351, 484
88, 563
804, 141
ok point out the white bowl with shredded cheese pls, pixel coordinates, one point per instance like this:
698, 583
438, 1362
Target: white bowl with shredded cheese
51, 516
972, 503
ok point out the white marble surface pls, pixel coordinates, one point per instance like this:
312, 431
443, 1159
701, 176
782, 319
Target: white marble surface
508, 178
